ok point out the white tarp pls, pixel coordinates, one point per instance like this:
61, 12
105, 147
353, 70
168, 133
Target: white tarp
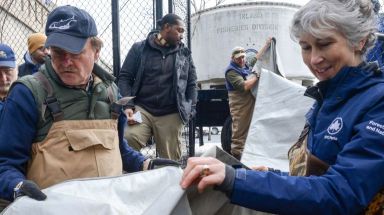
150, 192
277, 121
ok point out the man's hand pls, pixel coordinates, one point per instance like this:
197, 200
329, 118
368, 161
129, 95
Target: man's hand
259, 55
159, 162
129, 113
30, 189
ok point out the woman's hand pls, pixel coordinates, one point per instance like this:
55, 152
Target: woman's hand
203, 171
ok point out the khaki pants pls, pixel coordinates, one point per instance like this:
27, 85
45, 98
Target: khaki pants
166, 131
241, 105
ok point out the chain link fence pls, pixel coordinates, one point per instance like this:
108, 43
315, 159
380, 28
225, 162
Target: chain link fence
20, 18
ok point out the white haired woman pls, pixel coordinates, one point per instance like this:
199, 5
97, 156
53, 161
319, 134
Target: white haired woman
337, 165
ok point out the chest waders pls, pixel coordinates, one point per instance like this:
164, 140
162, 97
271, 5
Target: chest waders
74, 148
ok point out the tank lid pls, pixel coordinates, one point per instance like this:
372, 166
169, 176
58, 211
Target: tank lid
258, 3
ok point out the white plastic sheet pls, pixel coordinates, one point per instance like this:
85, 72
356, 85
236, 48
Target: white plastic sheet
277, 121
150, 192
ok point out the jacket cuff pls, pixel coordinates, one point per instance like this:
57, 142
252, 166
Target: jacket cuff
11, 187
227, 185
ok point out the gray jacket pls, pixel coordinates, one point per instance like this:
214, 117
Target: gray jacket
130, 77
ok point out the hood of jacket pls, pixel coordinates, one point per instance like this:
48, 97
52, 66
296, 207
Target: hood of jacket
28, 59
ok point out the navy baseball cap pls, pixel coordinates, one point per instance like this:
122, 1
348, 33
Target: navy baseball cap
68, 28
7, 56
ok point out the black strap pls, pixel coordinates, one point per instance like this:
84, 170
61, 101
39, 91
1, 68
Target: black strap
115, 108
50, 101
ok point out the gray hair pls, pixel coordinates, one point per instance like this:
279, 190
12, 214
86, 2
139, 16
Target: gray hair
355, 19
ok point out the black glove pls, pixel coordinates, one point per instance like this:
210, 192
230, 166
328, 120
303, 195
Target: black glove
30, 189
161, 162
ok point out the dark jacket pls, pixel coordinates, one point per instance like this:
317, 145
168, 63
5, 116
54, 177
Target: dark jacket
131, 73
28, 68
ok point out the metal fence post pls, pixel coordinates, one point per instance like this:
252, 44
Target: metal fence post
192, 124
189, 24
159, 11
170, 6
116, 38
191, 136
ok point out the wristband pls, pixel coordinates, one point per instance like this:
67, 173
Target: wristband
17, 191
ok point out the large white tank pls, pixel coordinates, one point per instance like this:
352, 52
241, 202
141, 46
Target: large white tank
217, 30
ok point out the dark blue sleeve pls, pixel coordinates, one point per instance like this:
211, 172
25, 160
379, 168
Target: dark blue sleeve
17, 130
132, 160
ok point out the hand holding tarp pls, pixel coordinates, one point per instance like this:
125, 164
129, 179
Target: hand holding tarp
30, 189
161, 162
203, 171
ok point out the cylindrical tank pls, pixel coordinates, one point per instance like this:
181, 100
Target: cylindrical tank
217, 30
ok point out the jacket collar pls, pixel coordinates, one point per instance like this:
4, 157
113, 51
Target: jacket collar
347, 81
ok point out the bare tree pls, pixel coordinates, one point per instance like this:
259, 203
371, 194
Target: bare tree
219, 2
199, 5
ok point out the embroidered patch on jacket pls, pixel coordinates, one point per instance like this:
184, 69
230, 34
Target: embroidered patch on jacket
336, 126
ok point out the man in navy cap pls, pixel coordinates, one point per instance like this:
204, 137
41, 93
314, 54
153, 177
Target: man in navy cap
71, 124
8, 71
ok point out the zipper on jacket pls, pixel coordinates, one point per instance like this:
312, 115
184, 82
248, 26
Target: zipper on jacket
163, 71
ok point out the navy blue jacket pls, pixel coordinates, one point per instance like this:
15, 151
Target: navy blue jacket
347, 132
